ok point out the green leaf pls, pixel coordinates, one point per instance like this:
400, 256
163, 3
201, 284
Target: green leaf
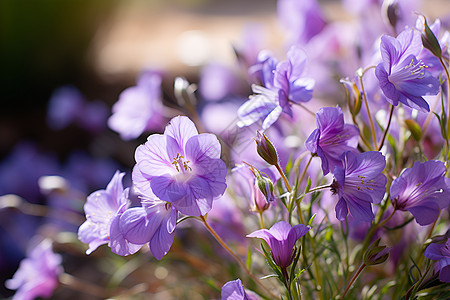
308, 185
294, 263
248, 261
312, 219
415, 129
272, 263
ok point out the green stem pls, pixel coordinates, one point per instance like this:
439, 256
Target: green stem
366, 103
361, 268
286, 182
387, 127
225, 246
318, 188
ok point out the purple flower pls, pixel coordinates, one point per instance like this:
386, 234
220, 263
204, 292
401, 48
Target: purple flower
234, 290
302, 19
358, 183
139, 108
38, 274
153, 223
281, 238
181, 167
422, 190
332, 137
402, 77
103, 209
283, 83
65, 106
441, 253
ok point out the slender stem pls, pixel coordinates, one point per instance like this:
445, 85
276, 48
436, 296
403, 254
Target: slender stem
83, 286
374, 137
361, 268
261, 220
373, 230
286, 182
387, 127
304, 107
297, 203
318, 188
413, 289
304, 170
225, 246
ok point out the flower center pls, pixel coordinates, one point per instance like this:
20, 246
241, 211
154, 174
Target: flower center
180, 164
409, 72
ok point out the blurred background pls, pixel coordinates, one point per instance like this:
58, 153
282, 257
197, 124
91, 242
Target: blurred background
99, 48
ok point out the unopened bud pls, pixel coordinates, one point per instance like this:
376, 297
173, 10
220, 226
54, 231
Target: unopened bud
354, 97
266, 149
376, 255
429, 40
262, 192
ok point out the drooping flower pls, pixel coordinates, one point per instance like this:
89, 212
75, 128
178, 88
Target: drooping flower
422, 190
402, 77
103, 209
181, 167
38, 273
283, 83
234, 290
441, 253
358, 183
154, 223
138, 108
332, 138
281, 238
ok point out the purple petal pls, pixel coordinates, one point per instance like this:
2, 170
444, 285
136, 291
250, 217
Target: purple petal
360, 210
341, 209
201, 147
425, 213
118, 243
136, 227
181, 128
161, 242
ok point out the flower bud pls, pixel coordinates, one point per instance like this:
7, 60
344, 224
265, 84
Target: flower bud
354, 97
429, 40
376, 255
262, 192
266, 149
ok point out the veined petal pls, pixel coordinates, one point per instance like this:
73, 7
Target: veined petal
181, 128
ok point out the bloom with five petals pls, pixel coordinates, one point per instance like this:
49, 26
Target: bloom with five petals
181, 167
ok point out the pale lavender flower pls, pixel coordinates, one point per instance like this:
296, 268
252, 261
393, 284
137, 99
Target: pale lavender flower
283, 83
38, 273
402, 77
138, 108
181, 167
153, 223
234, 290
359, 183
281, 239
302, 19
332, 138
103, 209
441, 253
422, 190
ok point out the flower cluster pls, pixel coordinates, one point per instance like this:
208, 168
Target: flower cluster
341, 179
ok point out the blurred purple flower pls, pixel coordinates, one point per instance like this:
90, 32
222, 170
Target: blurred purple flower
332, 138
402, 77
153, 223
441, 253
422, 190
301, 19
283, 83
181, 167
103, 209
216, 82
358, 183
281, 239
65, 107
94, 116
139, 108
234, 290
37, 275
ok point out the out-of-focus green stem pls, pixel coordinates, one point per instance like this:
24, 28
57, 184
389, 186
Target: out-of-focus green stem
231, 252
366, 103
361, 268
391, 112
